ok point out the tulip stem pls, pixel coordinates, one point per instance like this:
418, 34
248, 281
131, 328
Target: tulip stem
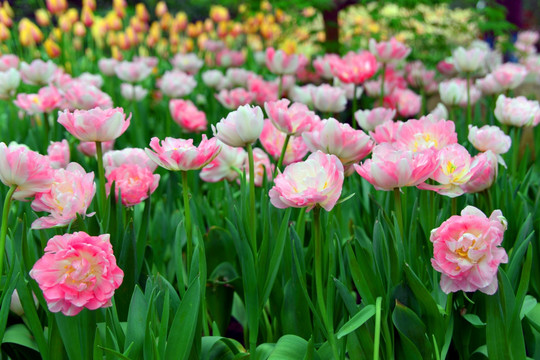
280, 86
3, 229
319, 283
382, 84
354, 106
253, 224
187, 217
469, 109
282, 155
101, 174
399, 215
454, 206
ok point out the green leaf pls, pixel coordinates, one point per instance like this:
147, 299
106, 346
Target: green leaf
182, 332
136, 323
289, 347
20, 335
474, 320
356, 321
411, 331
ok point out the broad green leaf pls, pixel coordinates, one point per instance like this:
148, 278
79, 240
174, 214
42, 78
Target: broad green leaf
20, 335
356, 321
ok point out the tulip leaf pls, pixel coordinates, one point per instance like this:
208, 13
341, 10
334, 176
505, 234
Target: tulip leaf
356, 321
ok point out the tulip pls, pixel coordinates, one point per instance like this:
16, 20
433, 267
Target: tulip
328, 99
518, 111
388, 51
233, 99
490, 138
225, 165
185, 114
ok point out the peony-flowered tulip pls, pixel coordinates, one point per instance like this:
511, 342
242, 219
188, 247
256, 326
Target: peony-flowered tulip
280, 63
181, 154
91, 79
77, 271
58, 154
332, 137
454, 92
263, 90
317, 181
189, 63
510, 75
467, 252
232, 99
38, 72
133, 92
370, 119
177, 84
9, 61
186, 114
45, 101
81, 96
323, 65
29, 171
212, 78
107, 66
422, 134
293, 119
96, 124
132, 72
388, 51
272, 140
9, 82
354, 67
390, 168
240, 127
485, 176
386, 132
440, 112
226, 165
489, 85
469, 60
518, 111
456, 167
71, 193
133, 182
407, 102
490, 138
328, 98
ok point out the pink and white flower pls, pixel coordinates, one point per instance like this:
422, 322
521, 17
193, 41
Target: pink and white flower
177, 84
77, 271
186, 114
240, 127
293, 119
518, 111
328, 98
96, 124
58, 154
272, 140
232, 99
388, 51
467, 252
226, 165
279, 62
38, 72
490, 138
132, 71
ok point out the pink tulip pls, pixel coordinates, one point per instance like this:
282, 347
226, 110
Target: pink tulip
485, 176
341, 140
419, 135
391, 168
182, 155
387, 51
58, 154
228, 58
489, 85
117, 158
91, 79
447, 67
177, 84
132, 71
316, 181
292, 120
386, 132
134, 183
24, 168
262, 167
528, 37
454, 92
96, 124
150, 61
45, 101
189, 63
408, 103
133, 92
240, 127
440, 112
278, 62
490, 138
88, 148
232, 99
466, 251
328, 98
213, 78
107, 66
354, 68
456, 167
510, 75
262, 90
186, 114
469, 60
77, 271
302, 94
38, 72
71, 193
82, 96
323, 65
517, 111
9, 82
273, 139
9, 61
225, 164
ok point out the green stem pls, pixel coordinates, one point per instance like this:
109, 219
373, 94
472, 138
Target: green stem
469, 108
187, 217
282, 155
354, 107
280, 87
319, 282
253, 224
3, 229
399, 215
377, 338
101, 173
47, 129
382, 84
454, 206
449, 303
